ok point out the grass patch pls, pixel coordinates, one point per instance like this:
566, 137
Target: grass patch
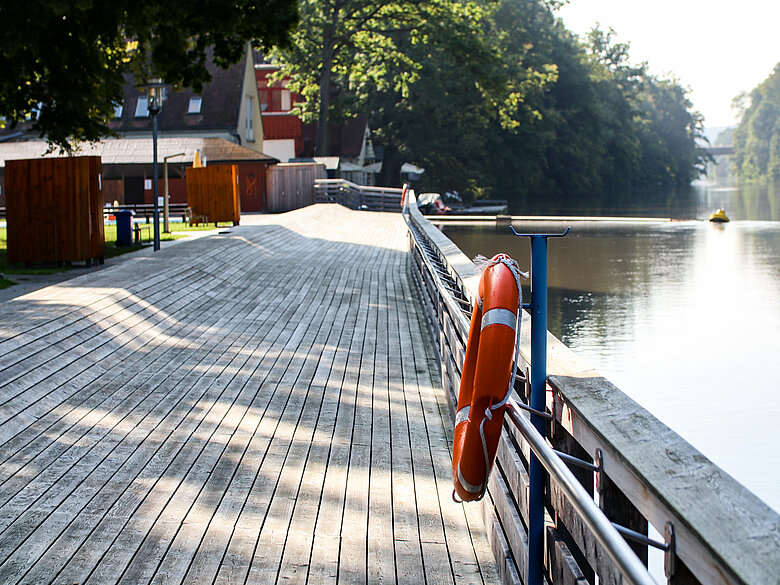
112, 250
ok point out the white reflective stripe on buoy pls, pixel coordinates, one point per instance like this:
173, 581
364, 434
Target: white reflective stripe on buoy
500, 317
472, 489
462, 415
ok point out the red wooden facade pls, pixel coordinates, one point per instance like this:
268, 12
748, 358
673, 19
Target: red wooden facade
212, 192
54, 209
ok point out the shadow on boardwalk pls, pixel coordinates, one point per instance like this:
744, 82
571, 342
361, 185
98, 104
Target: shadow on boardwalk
258, 406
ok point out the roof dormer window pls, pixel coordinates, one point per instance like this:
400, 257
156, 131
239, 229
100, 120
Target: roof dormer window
142, 107
194, 105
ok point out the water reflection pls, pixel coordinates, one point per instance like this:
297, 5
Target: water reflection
755, 201
683, 316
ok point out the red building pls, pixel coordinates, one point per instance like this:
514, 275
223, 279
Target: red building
282, 132
350, 153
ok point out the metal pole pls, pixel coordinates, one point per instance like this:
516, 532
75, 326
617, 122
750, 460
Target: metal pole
538, 390
166, 228
155, 186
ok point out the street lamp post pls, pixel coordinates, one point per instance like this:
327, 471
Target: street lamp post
166, 227
155, 96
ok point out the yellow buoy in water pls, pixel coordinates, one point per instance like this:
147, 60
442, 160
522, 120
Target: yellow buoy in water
719, 216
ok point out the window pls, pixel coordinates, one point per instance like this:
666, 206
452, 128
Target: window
250, 116
118, 111
142, 107
275, 99
195, 104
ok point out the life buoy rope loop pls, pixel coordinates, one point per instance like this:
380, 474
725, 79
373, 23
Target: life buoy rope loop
487, 377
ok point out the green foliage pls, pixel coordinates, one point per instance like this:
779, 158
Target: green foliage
494, 98
62, 62
757, 137
347, 51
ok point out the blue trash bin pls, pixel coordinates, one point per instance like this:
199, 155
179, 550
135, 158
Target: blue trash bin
124, 227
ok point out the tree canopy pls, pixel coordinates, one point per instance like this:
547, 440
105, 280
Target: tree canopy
493, 98
757, 137
62, 62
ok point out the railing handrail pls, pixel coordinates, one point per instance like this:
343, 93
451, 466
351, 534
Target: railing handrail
595, 413
370, 189
355, 196
629, 564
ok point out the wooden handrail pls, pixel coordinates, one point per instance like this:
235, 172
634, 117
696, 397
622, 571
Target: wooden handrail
355, 196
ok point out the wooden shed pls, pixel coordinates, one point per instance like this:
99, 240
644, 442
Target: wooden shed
291, 185
212, 193
54, 210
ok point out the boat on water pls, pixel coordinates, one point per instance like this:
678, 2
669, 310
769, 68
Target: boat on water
719, 216
451, 203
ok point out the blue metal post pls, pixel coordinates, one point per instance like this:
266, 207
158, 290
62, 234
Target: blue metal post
537, 402
536, 472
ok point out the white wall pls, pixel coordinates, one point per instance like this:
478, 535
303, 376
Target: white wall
283, 149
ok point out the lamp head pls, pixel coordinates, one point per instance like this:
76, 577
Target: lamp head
155, 92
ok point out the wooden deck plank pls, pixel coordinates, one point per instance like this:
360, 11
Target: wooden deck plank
296, 454
65, 439
150, 502
96, 370
75, 501
231, 409
109, 496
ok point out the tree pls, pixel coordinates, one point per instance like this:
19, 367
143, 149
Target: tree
464, 91
668, 132
757, 137
492, 98
346, 50
62, 62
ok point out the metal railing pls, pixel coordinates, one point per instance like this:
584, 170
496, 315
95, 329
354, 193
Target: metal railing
146, 210
616, 486
355, 196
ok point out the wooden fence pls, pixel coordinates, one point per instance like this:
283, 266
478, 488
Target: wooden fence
291, 185
212, 193
715, 531
355, 196
54, 210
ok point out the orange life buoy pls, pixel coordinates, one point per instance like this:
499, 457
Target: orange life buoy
487, 377
403, 194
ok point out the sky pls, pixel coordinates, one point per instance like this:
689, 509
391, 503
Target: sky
717, 48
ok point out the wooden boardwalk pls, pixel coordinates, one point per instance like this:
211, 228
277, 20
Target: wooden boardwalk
259, 406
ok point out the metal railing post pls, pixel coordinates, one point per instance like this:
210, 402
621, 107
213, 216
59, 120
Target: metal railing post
538, 387
537, 402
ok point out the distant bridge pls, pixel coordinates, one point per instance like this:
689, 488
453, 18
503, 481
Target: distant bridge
718, 150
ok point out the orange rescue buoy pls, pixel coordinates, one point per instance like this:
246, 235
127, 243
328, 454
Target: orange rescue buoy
403, 194
487, 378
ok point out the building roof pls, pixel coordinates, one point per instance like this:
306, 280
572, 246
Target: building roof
140, 150
220, 104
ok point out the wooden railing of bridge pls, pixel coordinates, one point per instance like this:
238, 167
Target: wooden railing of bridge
355, 196
717, 532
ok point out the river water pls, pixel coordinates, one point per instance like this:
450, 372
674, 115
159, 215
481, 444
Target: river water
682, 315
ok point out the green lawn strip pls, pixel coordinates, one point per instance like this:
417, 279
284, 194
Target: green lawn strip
112, 250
